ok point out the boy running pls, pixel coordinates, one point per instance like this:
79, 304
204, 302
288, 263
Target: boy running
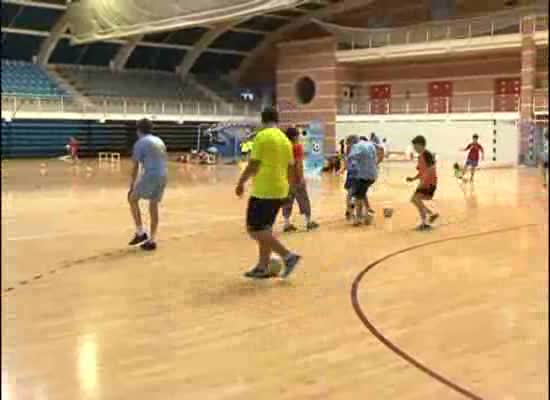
150, 153
474, 149
427, 175
298, 189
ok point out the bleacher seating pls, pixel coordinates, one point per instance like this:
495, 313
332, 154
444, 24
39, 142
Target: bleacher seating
26, 79
99, 82
224, 88
47, 138
220, 86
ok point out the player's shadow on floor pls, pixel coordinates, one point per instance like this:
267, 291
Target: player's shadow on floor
240, 289
112, 255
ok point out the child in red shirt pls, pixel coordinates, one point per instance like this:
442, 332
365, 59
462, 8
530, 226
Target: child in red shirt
474, 149
298, 189
427, 175
73, 148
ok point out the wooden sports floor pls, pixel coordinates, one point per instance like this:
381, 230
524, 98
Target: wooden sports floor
377, 313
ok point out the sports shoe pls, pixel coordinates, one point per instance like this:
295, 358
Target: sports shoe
138, 239
290, 228
423, 227
290, 264
368, 219
312, 225
259, 273
433, 218
371, 211
149, 245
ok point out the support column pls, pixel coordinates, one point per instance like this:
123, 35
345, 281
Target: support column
314, 59
528, 77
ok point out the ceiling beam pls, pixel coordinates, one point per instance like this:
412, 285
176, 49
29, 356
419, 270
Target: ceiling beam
34, 32
48, 45
276, 16
202, 45
186, 47
248, 30
21, 31
36, 3
124, 52
295, 24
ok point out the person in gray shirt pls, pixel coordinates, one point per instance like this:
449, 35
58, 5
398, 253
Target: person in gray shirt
149, 153
364, 155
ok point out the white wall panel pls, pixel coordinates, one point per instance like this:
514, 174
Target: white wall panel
444, 137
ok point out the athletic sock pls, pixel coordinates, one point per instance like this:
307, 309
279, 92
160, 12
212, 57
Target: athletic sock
287, 221
140, 231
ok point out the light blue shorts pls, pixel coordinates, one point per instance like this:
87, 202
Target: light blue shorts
150, 188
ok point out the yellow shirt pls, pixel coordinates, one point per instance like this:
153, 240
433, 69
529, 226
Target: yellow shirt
246, 147
274, 152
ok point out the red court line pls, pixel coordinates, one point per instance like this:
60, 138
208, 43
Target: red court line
393, 347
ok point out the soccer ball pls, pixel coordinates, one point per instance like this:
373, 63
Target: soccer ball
316, 148
388, 212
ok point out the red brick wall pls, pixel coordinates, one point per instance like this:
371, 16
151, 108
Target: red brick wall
496, 63
314, 59
469, 75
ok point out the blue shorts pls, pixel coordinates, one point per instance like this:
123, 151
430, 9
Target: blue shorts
150, 188
472, 163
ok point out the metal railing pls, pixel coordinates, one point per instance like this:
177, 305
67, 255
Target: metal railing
425, 105
540, 101
489, 25
541, 23
114, 105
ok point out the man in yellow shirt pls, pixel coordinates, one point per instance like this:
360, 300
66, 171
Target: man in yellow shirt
270, 165
246, 148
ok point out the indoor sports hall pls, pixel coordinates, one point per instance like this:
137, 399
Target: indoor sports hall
378, 307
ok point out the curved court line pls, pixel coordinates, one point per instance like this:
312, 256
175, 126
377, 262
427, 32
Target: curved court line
394, 348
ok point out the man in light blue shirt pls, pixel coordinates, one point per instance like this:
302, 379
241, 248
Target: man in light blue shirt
363, 155
149, 153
